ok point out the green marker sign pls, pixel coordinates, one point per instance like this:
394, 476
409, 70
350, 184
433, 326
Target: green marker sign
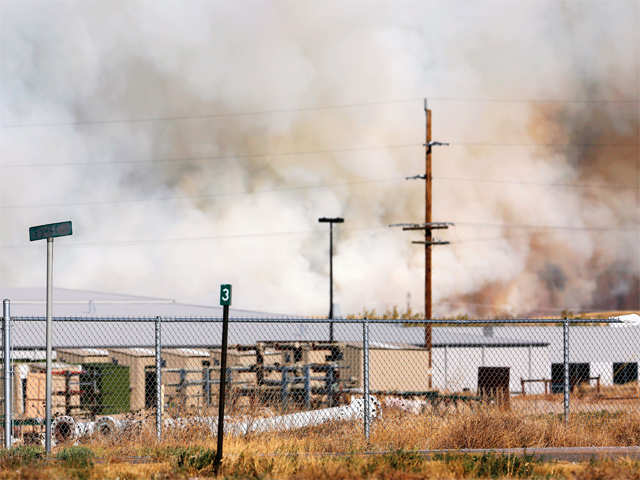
50, 230
225, 294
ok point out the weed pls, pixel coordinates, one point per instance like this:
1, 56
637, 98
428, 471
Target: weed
492, 465
76, 457
403, 460
194, 458
21, 456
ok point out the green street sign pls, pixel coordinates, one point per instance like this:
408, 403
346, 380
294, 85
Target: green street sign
225, 294
50, 230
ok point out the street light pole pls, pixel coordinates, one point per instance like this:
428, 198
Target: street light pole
331, 221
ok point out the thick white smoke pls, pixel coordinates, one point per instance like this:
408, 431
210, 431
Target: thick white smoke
177, 228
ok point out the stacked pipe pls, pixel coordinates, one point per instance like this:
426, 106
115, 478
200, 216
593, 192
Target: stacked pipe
65, 428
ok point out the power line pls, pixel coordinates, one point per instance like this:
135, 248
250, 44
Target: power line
136, 242
311, 108
204, 196
614, 101
614, 186
207, 116
547, 227
542, 144
365, 181
199, 158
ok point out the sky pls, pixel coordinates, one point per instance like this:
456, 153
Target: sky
196, 143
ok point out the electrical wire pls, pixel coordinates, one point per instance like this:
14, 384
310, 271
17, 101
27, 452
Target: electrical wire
365, 148
200, 158
136, 242
206, 196
311, 108
613, 186
547, 227
208, 116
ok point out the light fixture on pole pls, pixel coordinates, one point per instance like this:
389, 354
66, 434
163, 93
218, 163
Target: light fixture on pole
331, 221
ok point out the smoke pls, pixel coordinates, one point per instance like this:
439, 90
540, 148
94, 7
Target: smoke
178, 198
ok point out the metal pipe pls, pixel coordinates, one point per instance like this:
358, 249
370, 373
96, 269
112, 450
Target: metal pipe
365, 374
8, 397
565, 337
47, 438
354, 411
158, 325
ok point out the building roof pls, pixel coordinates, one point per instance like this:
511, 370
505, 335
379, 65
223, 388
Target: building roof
85, 352
31, 301
121, 331
136, 351
587, 344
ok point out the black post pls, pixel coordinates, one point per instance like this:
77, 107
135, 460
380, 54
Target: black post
223, 384
331, 221
331, 281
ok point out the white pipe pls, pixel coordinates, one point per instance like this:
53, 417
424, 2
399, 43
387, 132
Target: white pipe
292, 421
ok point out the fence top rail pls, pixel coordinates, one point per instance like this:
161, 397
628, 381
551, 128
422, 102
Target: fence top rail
315, 320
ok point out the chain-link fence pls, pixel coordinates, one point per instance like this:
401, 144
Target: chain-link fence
380, 383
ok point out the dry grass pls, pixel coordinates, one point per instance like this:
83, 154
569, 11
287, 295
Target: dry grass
184, 453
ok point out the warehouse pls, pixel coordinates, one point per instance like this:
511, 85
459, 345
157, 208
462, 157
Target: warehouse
458, 356
529, 353
607, 353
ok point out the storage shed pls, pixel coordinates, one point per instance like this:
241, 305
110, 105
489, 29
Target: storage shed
184, 376
65, 387
136, 359
83, 355
391, 366
105, 388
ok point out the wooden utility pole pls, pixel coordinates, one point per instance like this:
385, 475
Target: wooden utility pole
427, 227
427, 230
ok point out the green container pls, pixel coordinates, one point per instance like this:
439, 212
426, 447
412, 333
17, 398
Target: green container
105, 388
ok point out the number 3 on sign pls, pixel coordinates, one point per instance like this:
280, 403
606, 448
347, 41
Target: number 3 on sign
225, 294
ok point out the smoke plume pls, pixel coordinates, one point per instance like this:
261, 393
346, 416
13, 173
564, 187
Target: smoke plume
197, 143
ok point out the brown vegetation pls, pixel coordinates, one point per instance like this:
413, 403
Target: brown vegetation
338, 450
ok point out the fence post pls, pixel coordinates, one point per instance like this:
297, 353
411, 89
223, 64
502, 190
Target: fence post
283, 388
8, 398
446, 369
158, 325
307, 386
206, 381
365, 376
565, 337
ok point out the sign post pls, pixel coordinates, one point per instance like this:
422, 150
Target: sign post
225, 301
41, 232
